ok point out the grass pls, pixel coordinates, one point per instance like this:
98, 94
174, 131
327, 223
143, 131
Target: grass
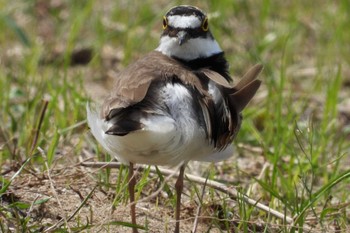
297, 126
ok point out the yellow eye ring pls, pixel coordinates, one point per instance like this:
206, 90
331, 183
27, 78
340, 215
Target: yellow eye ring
165, 22
205, 24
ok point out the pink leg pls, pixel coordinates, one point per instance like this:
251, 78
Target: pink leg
132, 182
179, 187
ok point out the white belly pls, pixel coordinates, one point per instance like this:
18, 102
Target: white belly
163, 140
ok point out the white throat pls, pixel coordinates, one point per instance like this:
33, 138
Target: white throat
190, 50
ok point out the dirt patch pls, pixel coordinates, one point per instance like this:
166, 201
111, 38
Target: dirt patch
65, 192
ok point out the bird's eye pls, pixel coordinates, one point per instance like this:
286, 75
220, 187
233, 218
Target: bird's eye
205, 24
165, 22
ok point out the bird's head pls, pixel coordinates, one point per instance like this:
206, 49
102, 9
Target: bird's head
186, 34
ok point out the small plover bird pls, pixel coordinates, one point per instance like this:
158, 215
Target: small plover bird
175, 104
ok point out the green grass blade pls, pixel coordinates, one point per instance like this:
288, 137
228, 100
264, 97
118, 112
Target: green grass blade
320, 192
52, 148
12, 24
7, 184
166, 186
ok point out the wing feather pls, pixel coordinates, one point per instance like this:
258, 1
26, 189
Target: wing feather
133, 83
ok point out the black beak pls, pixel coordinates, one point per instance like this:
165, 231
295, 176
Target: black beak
182, 37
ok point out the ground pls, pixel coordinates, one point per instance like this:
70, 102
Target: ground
292, 153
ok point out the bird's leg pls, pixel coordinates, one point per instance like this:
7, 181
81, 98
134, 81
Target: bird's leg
179, 187
131, 185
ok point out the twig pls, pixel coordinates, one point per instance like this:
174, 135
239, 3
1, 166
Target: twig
231, 191
256, 150
32, 204
53, 189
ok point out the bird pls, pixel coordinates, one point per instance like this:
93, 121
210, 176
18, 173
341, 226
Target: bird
175, 104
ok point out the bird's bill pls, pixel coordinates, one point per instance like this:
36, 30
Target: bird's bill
182, 37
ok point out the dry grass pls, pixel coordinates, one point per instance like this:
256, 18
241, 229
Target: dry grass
292, 152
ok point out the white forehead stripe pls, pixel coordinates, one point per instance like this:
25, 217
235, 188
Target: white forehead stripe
183, 21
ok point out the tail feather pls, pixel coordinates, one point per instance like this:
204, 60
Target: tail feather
97, 125
246, 88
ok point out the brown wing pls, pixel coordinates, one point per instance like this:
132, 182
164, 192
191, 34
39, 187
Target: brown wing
132, 84
216, 77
